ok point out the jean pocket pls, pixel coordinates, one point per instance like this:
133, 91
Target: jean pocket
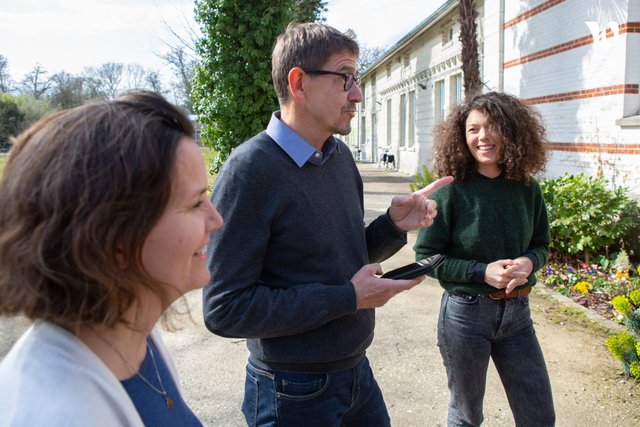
297, 386
465, 299
259, 390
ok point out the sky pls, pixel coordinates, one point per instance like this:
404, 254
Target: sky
69, 35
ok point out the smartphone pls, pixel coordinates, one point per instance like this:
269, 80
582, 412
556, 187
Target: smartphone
414, 269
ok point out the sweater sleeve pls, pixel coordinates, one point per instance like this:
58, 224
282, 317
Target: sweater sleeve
236, 303
437, 238
541, 237
383, 239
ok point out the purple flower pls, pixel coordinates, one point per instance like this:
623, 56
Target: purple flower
548, 271
569, 270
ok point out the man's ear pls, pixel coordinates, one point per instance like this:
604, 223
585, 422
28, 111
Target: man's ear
296, 87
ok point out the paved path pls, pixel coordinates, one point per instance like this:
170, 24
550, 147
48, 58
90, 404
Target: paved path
405, 358
404, 355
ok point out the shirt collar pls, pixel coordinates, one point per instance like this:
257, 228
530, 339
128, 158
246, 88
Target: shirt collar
295, 146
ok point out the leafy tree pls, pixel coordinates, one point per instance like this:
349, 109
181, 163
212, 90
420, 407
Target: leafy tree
232, 85
309, 10
11, 118
66, 90
33, 109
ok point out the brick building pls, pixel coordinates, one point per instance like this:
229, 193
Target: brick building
576, 61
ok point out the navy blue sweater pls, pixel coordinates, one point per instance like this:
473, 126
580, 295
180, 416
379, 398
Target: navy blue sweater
282, 263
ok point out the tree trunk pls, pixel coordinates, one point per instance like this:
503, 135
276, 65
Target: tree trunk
469, 40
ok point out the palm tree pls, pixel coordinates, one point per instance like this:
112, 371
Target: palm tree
468, 39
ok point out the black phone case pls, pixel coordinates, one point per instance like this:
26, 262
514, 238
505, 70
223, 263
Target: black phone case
414, 269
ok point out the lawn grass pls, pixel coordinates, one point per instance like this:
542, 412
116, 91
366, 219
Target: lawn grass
3, 161
209, 154
562, 314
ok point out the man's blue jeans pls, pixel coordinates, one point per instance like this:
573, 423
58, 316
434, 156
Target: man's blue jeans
346, 398
472, 329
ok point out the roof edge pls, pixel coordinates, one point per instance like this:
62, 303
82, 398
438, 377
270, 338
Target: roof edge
417, 30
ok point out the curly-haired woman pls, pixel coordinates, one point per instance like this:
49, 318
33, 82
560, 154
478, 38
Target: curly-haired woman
492, 227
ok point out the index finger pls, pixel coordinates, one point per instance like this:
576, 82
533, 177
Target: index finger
434, 186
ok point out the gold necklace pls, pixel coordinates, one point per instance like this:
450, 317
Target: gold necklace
162, 392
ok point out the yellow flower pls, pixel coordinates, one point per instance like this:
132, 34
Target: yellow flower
621, 274
582, 287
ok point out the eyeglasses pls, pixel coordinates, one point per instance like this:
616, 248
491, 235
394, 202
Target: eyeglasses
349, 78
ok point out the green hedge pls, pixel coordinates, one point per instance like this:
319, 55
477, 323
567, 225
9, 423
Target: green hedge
586, 216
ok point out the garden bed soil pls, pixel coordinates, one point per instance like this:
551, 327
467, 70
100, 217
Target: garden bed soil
599, 303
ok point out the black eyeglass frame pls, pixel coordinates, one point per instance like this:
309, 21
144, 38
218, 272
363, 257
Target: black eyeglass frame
349, 78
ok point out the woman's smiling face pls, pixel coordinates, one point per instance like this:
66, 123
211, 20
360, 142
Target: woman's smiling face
484, 142
174, 251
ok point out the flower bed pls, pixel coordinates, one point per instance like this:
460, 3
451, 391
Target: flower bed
613, 293
592, 286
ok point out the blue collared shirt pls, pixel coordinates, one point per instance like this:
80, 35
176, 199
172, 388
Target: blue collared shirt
295, 146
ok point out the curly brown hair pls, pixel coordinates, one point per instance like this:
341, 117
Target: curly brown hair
81, 191
523, 136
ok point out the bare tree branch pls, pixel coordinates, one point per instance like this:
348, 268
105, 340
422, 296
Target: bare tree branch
35, 83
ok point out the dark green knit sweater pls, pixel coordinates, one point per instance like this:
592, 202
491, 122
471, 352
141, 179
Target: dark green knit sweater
481, 220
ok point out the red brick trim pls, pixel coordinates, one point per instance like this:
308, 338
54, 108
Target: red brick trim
540, 8
627, 27
586, 93
594, 147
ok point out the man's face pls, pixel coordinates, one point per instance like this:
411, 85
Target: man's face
331, 106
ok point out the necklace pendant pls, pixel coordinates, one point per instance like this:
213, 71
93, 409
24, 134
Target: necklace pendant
169, 402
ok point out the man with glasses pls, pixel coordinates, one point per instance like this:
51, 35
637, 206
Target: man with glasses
291, 268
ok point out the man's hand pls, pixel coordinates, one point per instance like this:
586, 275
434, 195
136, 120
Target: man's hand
416, 210
373, 292
508, 274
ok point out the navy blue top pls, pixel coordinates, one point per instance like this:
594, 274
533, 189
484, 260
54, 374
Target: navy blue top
151, 405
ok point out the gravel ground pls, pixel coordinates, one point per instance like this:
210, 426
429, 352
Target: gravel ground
588, 387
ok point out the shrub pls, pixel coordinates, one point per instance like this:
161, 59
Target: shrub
624, 345
585, 216
422, 179
622, 304
11, 118
630, 240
